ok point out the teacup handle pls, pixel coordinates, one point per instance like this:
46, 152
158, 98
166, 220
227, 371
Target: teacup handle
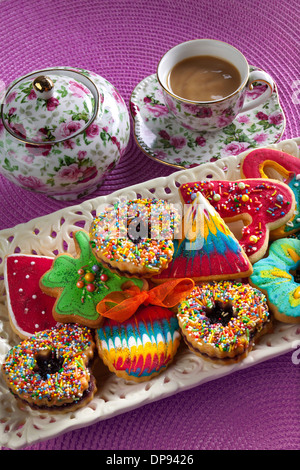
259, 76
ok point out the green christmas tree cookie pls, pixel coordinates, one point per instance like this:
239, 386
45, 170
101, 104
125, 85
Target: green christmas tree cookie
80, 282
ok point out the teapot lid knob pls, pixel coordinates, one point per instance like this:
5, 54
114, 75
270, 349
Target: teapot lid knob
43, 86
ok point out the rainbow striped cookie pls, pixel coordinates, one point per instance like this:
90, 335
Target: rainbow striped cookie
142, 346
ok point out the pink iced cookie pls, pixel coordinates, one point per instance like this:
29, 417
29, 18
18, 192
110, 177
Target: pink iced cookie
30, 310
262, 205
256, 165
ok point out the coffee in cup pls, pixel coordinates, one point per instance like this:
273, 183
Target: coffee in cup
204, 78
205, 103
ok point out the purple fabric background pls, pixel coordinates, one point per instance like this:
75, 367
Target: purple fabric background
122, 40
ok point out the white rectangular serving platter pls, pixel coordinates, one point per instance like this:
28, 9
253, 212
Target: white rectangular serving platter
51, 234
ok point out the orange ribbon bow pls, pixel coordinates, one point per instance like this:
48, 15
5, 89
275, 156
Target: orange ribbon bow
120, 306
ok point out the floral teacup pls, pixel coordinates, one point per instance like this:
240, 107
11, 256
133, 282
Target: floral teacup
219, 113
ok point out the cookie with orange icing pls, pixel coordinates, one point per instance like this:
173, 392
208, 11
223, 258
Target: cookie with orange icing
260, 163
261, 204
142, 346
278, 277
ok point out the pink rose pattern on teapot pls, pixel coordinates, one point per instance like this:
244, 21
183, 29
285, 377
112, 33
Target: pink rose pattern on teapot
76, 165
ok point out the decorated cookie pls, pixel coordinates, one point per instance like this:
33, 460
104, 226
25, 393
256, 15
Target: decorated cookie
135, 237
278, 277
142, 346
295, 235
49, 371
29, 308
261, 204
207, 248
220, 321
79, 283
258, 163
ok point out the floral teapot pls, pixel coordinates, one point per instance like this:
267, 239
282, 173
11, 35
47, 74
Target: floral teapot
62, 131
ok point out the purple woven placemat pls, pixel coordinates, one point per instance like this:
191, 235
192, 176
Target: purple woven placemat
258, 408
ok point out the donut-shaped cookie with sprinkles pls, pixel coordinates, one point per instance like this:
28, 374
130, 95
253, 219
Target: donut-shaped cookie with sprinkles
135, 237
220, 321
50, 370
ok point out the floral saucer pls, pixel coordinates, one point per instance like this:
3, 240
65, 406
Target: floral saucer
164, 139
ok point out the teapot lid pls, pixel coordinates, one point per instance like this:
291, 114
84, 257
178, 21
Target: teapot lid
50, 106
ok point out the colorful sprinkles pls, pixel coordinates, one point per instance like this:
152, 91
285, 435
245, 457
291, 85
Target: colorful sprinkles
136, 231
64, 350
246, 307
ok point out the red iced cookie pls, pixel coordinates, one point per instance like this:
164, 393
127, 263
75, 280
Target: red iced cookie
261, 204
269, 163
30, 310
